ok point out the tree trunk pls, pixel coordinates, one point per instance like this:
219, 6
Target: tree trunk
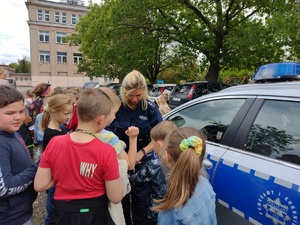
215, 57
213, 71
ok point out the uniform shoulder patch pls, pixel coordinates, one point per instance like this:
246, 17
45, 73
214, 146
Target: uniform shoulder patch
150, 103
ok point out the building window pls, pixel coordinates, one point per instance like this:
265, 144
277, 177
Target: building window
74, 19
45, 56
57, 17
61, 57
62, 74
77, 57
60, 37
40, 15
47, 16
64, 18
44, 36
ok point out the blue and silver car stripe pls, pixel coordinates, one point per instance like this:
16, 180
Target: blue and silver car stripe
259, 197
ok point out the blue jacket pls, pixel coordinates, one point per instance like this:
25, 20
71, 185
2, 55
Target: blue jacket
38, 133
199, 210
152, 174
145, 120
17, 171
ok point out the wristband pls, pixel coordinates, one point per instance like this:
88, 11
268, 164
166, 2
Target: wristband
144, 151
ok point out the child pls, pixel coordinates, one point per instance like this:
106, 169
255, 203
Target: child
38, 133
58, 111
27, 132
73, 122
83, 169
126, 161
17, 170
152, 173
163, 105
190, 198
27, 101
110, 137
39, 92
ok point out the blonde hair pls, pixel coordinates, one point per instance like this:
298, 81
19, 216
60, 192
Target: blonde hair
134, 81
162, 129
75, 92
165, 96
58, 103
186, 168
28, 93
92, 103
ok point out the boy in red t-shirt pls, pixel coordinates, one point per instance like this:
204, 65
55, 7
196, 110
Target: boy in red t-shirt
83, 168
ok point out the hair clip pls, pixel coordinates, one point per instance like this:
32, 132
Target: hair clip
194, 142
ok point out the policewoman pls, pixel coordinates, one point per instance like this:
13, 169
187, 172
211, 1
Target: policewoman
136, 110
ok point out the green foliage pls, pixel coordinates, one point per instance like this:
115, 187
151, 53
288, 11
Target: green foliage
185, 39
23, 66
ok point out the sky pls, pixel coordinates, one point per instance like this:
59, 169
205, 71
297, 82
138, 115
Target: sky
14, 31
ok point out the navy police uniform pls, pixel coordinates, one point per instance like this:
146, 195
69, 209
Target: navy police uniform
144, 120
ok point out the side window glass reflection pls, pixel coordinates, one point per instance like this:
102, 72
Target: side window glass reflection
211, 117
276, 131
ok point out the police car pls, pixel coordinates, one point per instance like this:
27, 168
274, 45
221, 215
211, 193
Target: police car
253, 150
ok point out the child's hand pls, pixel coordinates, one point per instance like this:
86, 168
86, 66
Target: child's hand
132, 131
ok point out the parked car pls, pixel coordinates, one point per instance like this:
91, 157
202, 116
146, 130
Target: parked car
252, 150
115, 86
12, 82
149, 87
100, 85
158, 89
90, 84
191, 90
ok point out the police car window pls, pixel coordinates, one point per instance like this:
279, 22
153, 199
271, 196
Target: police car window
276, 131
211, 117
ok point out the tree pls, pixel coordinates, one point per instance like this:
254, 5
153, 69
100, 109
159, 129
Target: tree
23, 66
111, 50
211, 29
119, 36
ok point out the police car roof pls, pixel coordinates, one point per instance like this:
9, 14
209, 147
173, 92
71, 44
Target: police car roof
288, 89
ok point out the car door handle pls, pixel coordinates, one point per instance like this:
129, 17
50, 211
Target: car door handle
207, 163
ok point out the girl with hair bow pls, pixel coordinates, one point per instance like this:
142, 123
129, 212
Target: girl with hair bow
190, 198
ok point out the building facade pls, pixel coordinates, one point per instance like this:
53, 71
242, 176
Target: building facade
52, 59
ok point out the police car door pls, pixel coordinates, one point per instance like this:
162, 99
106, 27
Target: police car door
212, 116
259, 177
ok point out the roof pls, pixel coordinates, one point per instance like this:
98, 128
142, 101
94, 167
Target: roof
280, 89
163, 85
284, 89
